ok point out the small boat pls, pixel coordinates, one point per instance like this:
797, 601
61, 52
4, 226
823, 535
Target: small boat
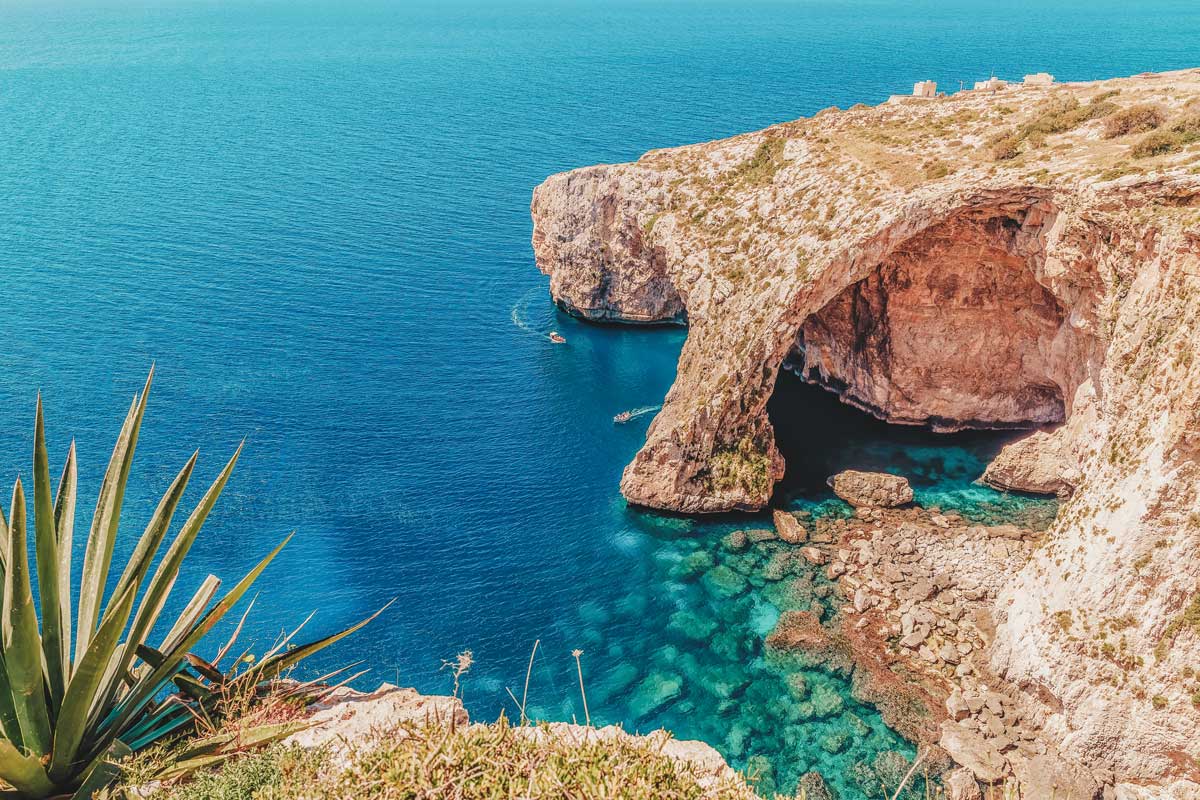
554, 337
624, 416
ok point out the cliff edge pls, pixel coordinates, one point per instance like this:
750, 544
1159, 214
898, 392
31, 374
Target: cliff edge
1029, 258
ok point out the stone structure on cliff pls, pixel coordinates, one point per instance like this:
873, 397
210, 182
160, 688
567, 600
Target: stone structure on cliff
979, 260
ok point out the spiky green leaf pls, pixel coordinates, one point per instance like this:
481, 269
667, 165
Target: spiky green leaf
81, 691
22, 643
23, 771
48, 564
168, 570
64, 523
98, 556
149, 685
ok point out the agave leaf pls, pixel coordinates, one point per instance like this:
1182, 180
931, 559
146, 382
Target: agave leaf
168, 570
143, 692
271, 667
22, 644
219, 748
191, 613
24, 772
135, 571
225, 648
48, 564
3, 542
287, 639
193, 688
89, 672
208, 745
103, 770
10, 727
156, 530
64, 523
164, 728
153, 726
98, 556
205, 669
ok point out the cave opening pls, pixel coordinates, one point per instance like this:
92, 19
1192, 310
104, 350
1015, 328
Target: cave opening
926, 366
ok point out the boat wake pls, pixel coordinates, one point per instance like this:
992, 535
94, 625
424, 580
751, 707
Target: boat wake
634, 413
520, 315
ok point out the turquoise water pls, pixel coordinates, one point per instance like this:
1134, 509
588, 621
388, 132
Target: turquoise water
314, 217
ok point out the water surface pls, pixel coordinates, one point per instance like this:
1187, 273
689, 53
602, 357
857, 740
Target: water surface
314, 217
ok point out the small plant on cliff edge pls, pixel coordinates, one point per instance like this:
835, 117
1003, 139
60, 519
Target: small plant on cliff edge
71, 706
743, 466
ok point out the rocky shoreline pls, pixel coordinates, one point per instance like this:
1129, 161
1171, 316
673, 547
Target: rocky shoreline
915, 628
1017, 257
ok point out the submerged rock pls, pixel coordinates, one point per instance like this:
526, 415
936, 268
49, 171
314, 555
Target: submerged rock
812, 786
801, 632
694, 564
871, 489
835, 742
654, 693
723, 582
692, 625
736, 541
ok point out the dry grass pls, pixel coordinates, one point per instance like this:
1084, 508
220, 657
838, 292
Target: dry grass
1172, 139
1135, 119
479, 762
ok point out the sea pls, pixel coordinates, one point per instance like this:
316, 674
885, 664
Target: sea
311, 216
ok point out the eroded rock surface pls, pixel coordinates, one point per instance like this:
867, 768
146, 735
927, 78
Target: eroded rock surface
1059, 275
871, 489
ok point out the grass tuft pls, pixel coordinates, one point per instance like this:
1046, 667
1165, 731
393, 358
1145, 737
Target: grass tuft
760, 168
1135, 119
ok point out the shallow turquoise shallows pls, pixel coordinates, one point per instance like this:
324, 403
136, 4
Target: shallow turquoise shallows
314, 218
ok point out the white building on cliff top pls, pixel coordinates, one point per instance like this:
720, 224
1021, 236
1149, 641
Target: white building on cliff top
992, 84
925, 89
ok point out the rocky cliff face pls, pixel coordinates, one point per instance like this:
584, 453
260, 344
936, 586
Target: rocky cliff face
1026, 257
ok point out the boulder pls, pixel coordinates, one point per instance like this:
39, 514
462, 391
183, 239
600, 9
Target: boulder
1048, 776
871, 489
972, 751
961, 785
813, 555
956, 707
1039, 463
801, 632
789, 528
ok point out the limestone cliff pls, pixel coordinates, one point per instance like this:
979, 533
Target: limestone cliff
1021, 258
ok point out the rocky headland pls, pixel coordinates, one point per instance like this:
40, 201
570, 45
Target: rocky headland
1021, 258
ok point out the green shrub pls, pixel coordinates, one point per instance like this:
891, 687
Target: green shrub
1064, 114
1135, 119
1172, 139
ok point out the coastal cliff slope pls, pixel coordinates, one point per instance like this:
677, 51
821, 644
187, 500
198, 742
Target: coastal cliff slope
1027, 258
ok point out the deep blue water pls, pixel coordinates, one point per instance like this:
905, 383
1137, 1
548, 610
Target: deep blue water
314, 218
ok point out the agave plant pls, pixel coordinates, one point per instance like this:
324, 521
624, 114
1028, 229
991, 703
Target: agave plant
74, 699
